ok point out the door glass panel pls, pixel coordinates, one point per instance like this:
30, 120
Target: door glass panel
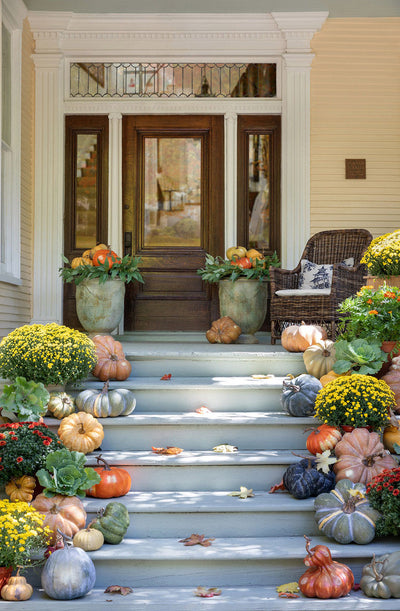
172, 192
86, 191
259, 191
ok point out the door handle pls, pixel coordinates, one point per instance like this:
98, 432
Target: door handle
127, 243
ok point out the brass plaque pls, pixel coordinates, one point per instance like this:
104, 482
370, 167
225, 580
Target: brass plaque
356, 168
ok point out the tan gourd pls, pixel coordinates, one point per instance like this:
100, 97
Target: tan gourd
81, 432
17, 589
88, 539
60, 405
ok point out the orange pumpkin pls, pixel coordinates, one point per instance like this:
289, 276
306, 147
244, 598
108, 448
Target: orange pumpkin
325, 437
115, 481
223, 331
93, 250
361, 456
106, 255
297, 338
392, 378
65, 513
21, 488
81, 432
111, 361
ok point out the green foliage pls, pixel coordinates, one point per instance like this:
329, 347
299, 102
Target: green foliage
127, 270
384, 495
360, 356
217, 269
66, 474
24, 400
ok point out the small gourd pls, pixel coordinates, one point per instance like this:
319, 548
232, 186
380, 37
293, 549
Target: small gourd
323, 438
106, 403
319, 358
344, 514
303, 479
381, 577
391, 434
60, 405
89, 539
16, 588
328, 377
223, 331
113, 522
299, 395
297, 338
81, 432
325, 578
21, 488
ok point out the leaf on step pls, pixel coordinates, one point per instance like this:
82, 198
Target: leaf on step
124, 590
262, 376
168, 451
243, 493
207, 593
324, 460
203, 410
292, 587
225, 447
195, 539
277, 487
166, 376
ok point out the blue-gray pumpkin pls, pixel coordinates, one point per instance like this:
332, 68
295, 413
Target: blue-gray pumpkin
106, 403
68, 573
344, 514
303, 479
299, 395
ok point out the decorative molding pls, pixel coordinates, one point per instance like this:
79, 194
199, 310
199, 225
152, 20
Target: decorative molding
299, 28
230, 179
115, 182
13, 13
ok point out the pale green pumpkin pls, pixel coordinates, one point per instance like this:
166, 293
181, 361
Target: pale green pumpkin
106, 403
381, 577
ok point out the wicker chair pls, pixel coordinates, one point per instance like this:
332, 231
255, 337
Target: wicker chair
326, 247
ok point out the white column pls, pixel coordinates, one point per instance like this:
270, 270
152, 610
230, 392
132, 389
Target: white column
49, 192
115, 183
230, 179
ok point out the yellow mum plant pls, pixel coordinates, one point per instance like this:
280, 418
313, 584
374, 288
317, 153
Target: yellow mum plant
22, 534
356, 400
382, 256
51, 354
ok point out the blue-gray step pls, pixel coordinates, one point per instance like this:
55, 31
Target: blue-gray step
249, 598
219, 393
169, 514
192, 431
202, 470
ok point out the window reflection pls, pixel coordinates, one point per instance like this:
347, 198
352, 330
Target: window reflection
86, 191
259, 191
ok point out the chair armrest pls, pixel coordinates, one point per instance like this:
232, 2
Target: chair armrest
283, 279
346, 281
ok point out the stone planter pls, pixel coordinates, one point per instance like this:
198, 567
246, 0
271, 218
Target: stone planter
100, 307
245, 301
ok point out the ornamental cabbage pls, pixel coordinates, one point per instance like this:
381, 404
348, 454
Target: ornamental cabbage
66, 474
361, 356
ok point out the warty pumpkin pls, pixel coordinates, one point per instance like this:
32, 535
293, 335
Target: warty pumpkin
361, 456
111, 361
113, 522
81, 432
324, 437
299, 395
223, 331
344, 514
65, 513
303, 479
106, 403
319, 358
16, 588
21, 488
381, 577
60, 405
297, 338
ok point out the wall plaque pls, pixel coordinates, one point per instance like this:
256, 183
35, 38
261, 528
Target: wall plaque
356, 168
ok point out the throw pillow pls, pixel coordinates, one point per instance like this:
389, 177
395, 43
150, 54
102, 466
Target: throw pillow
314, 276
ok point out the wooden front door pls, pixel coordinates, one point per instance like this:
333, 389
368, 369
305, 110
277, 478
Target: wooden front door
173, 213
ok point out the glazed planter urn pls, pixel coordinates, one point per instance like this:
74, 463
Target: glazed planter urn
245, 301
100, 306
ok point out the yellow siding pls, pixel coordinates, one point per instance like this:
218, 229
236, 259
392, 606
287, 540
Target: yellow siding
16, 301
355, 113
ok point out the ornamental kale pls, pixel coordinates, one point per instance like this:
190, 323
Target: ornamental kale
24, 400
66, 474
360, 355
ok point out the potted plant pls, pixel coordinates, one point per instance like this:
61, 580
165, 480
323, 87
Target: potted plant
100, 277
51, 354
382, 258
243, 290
383, 493
355, 401
358, 356
24, 400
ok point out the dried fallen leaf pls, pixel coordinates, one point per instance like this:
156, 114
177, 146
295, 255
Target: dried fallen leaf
124, 590
168, 451
292, 587
324, 460
203, 410
243, 493
207, 593
225, 447
288, 595
262, 376
166, 376
195, 539
277, 487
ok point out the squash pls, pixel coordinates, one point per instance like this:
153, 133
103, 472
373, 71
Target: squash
21, 488
106, 403
17, 588
325, 578
60, 405
105, 256
392, 378
68, 573
319, 358
297, 338
89, 539
113, 522
254, 256
111, 361
65, 513
345, 514
391, 436
223, 331
381, 577
361, 456
329, 377
236, 252
323, 438
93, 250
115, 481
303, 479
81, 432
299, 395
77, 261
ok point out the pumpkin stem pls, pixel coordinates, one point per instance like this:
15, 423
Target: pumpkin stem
374, 563
290, 386
369, 461
350, 505
91, 524
308, 543
309, 458
105, 465
67, 540
106, 387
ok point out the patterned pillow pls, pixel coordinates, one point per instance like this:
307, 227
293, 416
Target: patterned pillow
313, 276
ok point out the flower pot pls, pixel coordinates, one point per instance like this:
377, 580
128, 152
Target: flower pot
346, 428
376, 281
245, 301
100, 306
5, 574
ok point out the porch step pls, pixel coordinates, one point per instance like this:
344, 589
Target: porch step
172, 514
192, 431
202, 470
